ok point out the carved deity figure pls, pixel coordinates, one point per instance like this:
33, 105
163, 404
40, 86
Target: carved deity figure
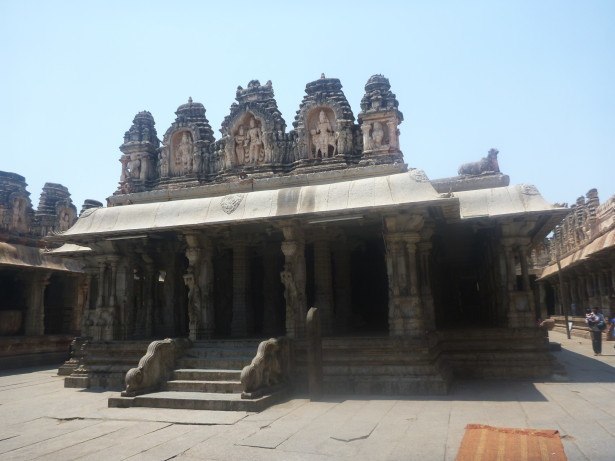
134, 166
163, 162
241, 154
323, 136
19, 214
377, 135
64, 220
254, 143
183, 155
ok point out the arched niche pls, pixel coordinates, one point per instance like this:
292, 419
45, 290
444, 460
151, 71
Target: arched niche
322, 133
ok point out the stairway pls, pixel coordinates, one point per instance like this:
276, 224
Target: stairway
207, 378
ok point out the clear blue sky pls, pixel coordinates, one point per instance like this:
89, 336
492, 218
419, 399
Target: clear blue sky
535, 79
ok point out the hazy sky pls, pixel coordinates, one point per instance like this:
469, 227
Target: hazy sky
535, 79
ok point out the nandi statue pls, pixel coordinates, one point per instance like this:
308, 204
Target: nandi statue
488, 164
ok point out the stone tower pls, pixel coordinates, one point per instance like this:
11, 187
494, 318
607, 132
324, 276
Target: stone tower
379, 119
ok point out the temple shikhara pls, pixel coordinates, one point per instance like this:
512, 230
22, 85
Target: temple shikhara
210, 246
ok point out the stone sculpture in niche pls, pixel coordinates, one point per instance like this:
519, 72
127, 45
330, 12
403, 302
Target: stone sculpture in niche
377, 135
241, 154
323, 137
255, 143
247, 146
163, 162
134, 166
19, 214
183, 155
64, 220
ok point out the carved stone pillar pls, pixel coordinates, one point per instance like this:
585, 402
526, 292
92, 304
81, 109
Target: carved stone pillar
520, 301
199, 280
342, 288
240, 321
272, 324
35, 313
293, 278
323, 284
100, 301
424, 248
113, 283
542, 298
405, 307
170, 294
149, 286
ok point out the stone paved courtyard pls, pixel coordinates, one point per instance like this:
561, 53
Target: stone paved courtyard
40, 419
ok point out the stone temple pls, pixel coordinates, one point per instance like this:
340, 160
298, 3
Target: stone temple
220, 243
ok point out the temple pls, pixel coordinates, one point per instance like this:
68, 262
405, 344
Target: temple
576, 264
220, 240
41, 298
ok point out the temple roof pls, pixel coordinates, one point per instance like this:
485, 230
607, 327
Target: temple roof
333, 199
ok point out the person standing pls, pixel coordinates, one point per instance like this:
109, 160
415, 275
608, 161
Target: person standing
595, 321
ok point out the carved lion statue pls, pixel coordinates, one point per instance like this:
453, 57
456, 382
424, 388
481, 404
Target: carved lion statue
488, 164
265, 369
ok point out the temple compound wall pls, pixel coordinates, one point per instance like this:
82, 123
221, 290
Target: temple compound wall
583, 244
41, 302
237, 237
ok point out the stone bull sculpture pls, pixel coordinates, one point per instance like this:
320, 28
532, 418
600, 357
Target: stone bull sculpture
488, 164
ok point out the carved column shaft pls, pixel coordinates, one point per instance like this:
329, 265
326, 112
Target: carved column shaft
271, 290
100, 301
294, 280
35, 314
343, 286
240, 321
323, 284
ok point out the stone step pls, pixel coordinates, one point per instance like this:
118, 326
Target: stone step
203, 401
235, 363
227, 344
223, 387
206, 374
380, 370
212, 353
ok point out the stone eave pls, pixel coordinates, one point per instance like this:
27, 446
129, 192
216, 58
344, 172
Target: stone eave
20, 256
591, 250
381, 194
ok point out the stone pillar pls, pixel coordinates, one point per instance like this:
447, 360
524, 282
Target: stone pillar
520, 301
342, 287
149, 285
542, 301
113, 283
100, 301
271, 290
424, 248
240, 321
206, 282
293, 278
405, 307
323, 284
167, 328
35, 313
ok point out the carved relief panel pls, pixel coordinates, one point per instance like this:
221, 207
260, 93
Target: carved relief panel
323, 133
